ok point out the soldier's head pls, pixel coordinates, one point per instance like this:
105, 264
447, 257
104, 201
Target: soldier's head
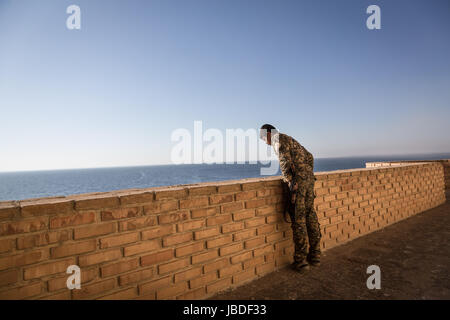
266, 132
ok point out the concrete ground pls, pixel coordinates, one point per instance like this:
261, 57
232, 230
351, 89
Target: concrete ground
413, 255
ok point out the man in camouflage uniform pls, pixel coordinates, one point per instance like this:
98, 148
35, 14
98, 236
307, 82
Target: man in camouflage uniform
297, 166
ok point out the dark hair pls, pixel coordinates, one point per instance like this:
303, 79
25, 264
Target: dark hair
267, 128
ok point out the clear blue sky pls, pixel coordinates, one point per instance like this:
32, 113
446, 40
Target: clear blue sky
111, 93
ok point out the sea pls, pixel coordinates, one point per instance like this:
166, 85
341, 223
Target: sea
38, 184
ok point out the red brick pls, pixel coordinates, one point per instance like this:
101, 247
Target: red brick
250, 244
172, 291
231, 249
264, 193
265, 211
243, 235
253, 185
203, 280
119, 213
188, 274
261, 251
207, 233
47, 269
216, 265
232, 227
22, 259
93, 289
72, 249
218, 220
245, 195
247, 214
218, 286
43, 239
265, 268
119, 240
194, 203
241, 257
157, 232
157, 257
144, 246
176, 193
172, 266
204, 190
120, 267
97, 202
173, 217
9, 277
229, 188
227, 271
137, 198
191, 225
217, 242
275, 237
269, 228
232, 207
169, 205
72, 220
93, 231
135, 277
190, 249
50, 207
7, 245
202, 257
204, 212
255, 203
244, 276
152, 286
9, 210
100, 257
177, 239
23, 226
153, 207
220, 198
283, 244
21, 292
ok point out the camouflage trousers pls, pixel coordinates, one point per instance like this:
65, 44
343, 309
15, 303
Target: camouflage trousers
305, 225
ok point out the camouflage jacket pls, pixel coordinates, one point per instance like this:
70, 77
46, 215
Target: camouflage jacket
295, 161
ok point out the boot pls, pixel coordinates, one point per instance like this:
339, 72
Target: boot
301, 267
313, 260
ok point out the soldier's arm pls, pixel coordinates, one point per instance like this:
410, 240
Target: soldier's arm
285, 163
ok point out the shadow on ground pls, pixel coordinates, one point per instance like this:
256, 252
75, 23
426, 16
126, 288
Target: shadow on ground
413, 255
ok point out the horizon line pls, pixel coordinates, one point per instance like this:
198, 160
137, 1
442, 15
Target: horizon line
246, 162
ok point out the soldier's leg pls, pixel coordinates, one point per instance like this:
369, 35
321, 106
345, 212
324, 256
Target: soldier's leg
312, 225
299, 229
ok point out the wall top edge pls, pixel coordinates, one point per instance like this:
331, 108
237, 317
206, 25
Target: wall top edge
58, 200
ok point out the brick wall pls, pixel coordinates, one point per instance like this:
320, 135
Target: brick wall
190, 242
445, 163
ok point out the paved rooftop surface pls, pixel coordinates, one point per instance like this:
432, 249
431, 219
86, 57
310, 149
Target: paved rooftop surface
413, 255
